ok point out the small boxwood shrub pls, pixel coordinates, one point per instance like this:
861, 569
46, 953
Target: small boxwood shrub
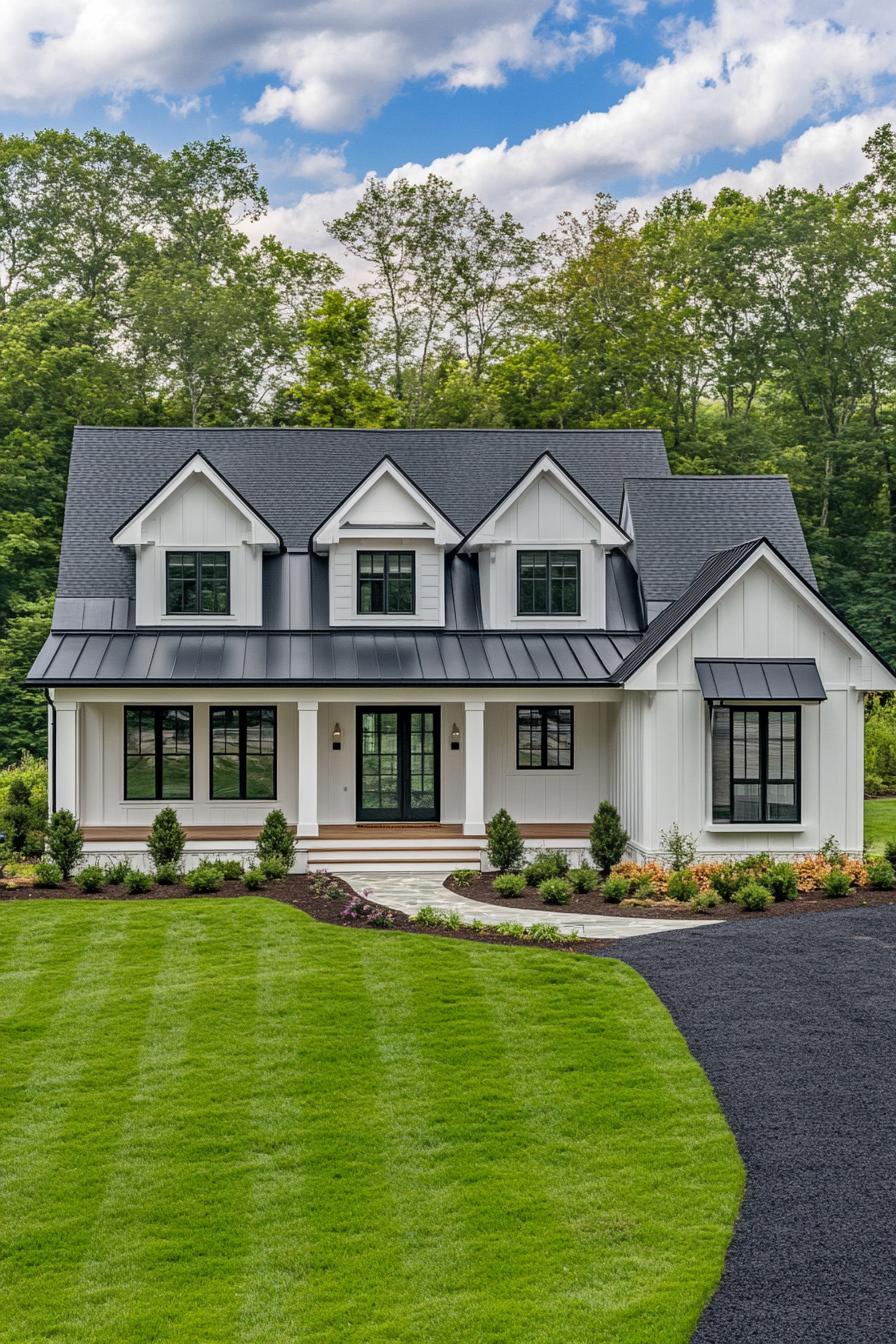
167, 874
205, 877
511, 930
752, 895
545, 933
725, 881
47, 873
276, 840
616, 888
166, 839
65, 842
643, 889
117, 872
781, 881
231, 870
137, 882
462, 877
427, 915
890, 852
91, 878
753, 865
705, 900
551, 863
555, 890
881, 875
510, 884
608, 838
273, 867
836, 883
583, 879
253, 878
505, 843
682, 885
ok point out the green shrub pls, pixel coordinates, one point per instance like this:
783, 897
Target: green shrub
725, 881
682, 886
167, 874
555, 890
137, 882
616, 888
705, 900
510, 884
205, 877
890, 852
253, 878
231, 870
23, 805
550, 863
545, 933
505, 843
462, 877
166, 839
273, 868
837, 883
831, 852
642, 889
754, 865
881, 875
451, 920
47, 873
584, 878
752, 895
781, 880
16, 817
276, 840
511, 930
117, 872
91, 878
65, 842
608, 838
428, 916
679, 847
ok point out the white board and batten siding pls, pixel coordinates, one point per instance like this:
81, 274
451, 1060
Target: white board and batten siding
429, 584
544, 517
549, 795
198, 517
759, 617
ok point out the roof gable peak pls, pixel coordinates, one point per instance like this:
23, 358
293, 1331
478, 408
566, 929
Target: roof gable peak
130, 533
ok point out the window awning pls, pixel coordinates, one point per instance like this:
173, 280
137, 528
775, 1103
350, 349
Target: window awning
759, 679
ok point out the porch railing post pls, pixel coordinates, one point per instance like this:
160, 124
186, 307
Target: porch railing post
307, 809
474, 767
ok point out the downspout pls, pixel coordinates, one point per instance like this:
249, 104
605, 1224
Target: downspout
51, 774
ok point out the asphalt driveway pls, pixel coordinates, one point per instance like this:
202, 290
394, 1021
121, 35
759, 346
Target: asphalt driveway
794, 1021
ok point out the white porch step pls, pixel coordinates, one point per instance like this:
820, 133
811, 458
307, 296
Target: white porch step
392, 858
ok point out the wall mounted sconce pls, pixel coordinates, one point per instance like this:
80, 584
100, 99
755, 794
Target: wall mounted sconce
455, 737
337, 737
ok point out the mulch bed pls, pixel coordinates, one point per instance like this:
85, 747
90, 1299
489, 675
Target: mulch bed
592, 903
295, 890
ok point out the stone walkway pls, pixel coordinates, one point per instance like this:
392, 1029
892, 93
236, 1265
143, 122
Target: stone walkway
407, 892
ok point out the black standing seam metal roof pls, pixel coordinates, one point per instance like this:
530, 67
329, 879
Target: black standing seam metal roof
759, 679
343, 657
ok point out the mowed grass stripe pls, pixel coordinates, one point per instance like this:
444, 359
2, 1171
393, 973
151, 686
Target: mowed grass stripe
287, 1132
180, 1174
38, 956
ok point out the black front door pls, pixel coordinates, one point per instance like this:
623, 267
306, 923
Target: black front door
398, 764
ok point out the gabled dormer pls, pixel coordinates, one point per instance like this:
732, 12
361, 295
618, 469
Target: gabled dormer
198, 546
542, 553
386, 546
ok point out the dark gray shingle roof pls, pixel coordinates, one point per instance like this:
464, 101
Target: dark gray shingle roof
678, 523
295, 478
383, 657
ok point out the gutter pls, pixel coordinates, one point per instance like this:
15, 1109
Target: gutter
51, 773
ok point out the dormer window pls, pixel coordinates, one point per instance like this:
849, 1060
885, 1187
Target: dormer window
386, 583
197, 583
548, 583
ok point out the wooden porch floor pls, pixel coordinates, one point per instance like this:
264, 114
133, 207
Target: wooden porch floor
367, 830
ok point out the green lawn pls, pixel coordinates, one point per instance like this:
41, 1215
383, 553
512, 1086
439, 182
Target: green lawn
880, 822
221, 1121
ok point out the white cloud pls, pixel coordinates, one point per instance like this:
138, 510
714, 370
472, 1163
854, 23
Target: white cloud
334, 62
325, 166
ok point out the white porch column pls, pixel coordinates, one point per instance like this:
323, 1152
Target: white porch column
68, 756
307, 812
474, 767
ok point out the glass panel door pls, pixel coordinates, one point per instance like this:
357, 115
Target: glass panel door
398, 765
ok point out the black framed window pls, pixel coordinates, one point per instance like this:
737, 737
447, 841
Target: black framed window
197, 583
243, 752
544, 737
386, 583
548, 583
158, 752
755, 764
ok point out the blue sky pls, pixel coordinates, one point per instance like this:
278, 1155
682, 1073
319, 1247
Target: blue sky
534, 106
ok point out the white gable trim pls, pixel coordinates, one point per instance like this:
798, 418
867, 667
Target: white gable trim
874, 675
260, 534
609, 533
336, 527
